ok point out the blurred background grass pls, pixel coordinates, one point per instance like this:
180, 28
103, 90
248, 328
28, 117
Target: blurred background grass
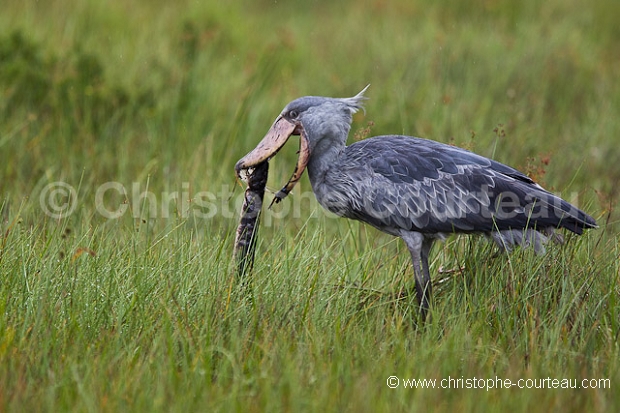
170, 95
117, 87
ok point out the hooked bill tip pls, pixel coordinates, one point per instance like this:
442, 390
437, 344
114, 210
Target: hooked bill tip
275, 138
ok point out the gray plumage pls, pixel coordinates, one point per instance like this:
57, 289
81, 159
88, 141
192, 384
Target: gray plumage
421, 190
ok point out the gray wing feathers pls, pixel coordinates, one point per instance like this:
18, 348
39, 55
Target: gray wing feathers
398, 183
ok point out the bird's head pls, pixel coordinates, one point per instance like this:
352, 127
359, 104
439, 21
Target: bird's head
317, 120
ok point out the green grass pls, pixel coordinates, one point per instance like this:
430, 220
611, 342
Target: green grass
141, 313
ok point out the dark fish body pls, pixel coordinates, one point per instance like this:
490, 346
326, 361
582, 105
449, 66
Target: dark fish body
247, 231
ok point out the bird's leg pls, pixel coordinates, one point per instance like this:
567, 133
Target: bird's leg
425, 278
420, 247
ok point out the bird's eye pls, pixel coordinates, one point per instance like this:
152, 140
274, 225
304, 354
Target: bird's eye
293, 114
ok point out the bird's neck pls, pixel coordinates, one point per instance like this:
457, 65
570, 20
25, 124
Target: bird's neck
323, 157
327, 139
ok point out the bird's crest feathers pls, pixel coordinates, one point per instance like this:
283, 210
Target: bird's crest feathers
356, 102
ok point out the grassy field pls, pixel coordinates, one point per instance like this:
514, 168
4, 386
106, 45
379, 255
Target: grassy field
120, 123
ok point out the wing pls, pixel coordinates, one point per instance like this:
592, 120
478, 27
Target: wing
398, 182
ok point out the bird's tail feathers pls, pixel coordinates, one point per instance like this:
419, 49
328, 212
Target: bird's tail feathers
571, 217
